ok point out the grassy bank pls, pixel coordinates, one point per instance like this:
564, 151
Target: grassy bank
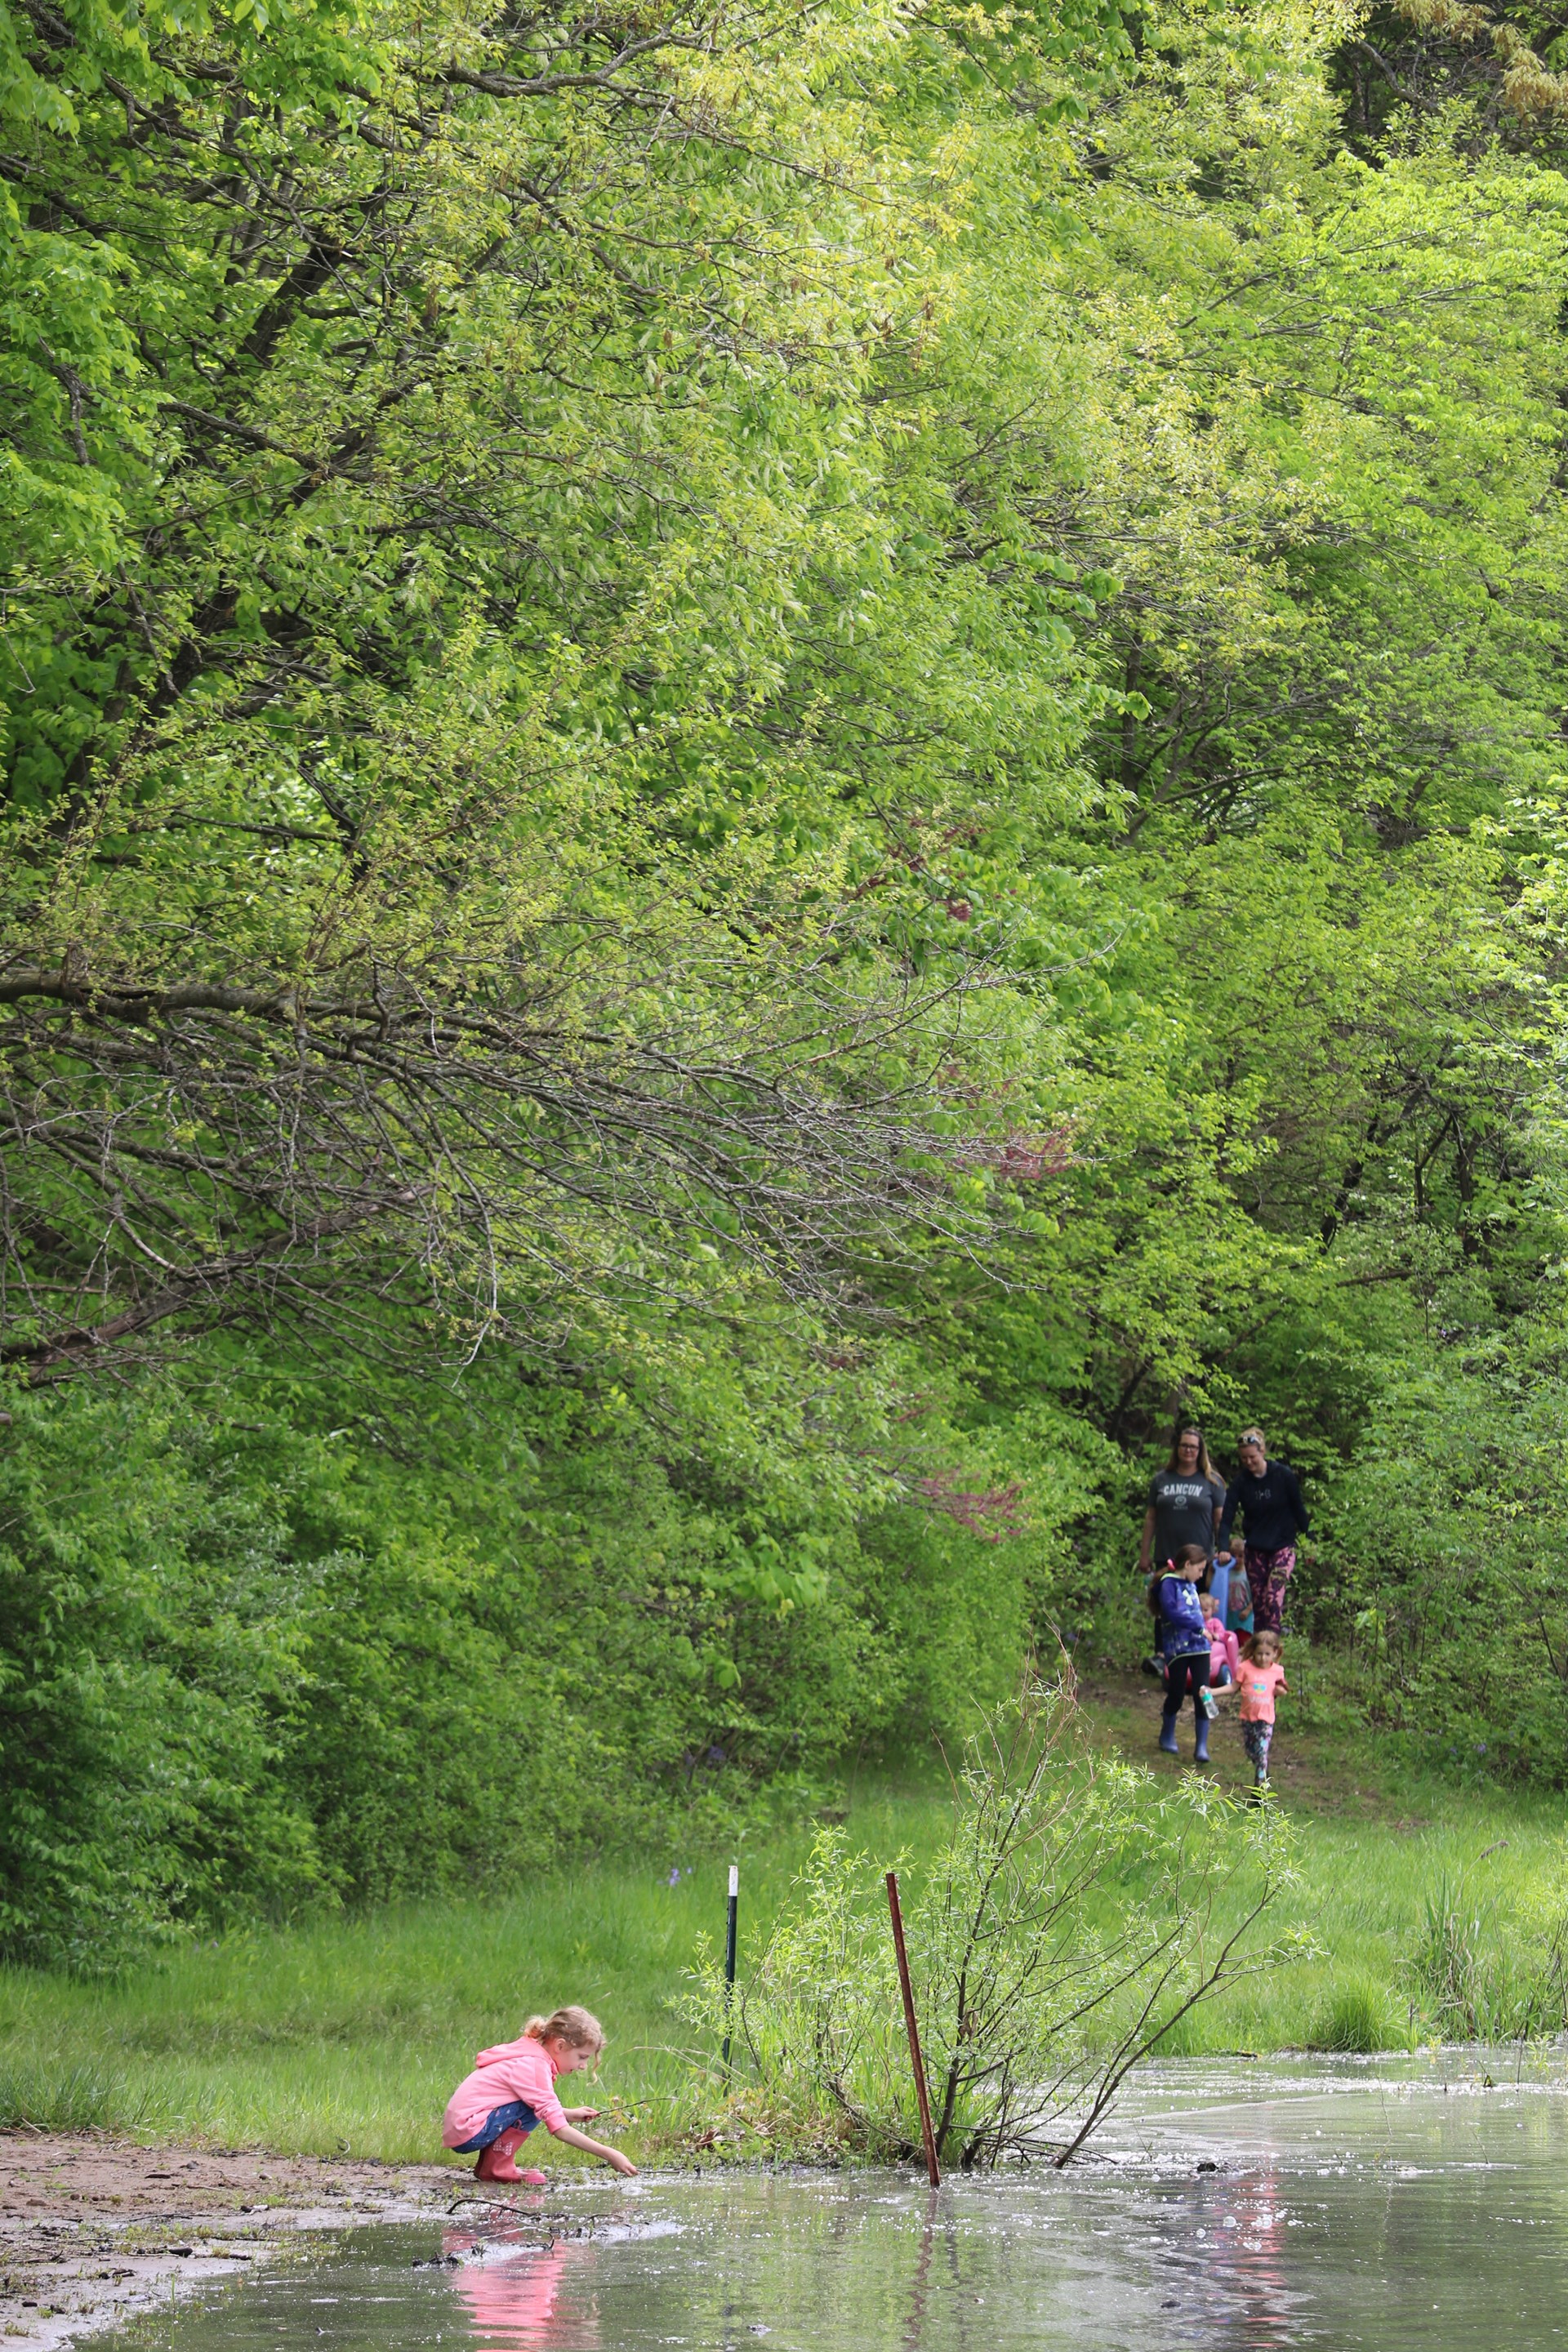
345, 2036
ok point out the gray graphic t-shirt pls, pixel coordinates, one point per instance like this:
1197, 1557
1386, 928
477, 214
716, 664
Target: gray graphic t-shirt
1183, 1511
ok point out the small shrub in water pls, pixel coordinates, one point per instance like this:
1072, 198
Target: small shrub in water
1072, 1921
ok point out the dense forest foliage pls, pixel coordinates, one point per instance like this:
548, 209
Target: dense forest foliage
766, 767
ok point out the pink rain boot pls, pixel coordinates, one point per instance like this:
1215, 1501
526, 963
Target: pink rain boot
496, 2161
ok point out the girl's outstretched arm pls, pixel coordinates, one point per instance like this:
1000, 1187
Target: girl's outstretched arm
606, 2155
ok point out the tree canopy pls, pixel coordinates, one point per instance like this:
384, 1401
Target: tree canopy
765, 768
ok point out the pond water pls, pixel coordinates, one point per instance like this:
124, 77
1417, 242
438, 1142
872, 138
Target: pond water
1360, 2202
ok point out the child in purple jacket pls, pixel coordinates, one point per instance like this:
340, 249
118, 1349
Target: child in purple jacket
1184, 1643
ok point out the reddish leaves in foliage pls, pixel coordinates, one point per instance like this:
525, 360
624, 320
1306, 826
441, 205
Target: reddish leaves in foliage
991, 1513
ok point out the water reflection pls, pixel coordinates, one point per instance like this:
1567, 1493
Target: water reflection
1336, 2211
511, 2288
1409, 2207
1250, 2259
915, 2333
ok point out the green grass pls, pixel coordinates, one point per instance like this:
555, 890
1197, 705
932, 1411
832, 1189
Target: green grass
1366, 1888
345, 2036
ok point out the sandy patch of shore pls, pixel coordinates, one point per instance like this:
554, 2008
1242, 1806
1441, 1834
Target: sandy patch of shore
93, 2228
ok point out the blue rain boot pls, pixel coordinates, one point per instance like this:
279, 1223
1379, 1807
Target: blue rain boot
1201, 1745
1168, 1735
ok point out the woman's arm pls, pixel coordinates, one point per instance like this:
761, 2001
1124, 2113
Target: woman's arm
1146, 1542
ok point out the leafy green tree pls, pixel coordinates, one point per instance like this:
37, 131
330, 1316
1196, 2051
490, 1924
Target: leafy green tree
763, 774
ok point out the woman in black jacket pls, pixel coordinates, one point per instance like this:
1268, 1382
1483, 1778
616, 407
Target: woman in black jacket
1268, 1496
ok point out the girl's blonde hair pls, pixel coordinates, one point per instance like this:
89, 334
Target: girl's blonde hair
578, 2028
1264, 1634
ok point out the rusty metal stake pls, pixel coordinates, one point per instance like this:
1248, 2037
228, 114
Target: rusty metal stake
934, 2169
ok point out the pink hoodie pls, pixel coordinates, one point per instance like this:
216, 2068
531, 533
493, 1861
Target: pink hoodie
1224, 1649
512, 2070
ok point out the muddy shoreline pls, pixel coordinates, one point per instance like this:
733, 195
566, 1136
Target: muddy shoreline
94, 2230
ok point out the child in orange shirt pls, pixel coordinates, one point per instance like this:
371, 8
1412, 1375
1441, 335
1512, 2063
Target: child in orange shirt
1261, 1675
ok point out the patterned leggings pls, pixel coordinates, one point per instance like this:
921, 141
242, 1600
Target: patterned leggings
1268, 1572
1255, 1738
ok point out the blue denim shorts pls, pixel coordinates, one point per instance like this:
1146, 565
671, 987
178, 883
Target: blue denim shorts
517, 2114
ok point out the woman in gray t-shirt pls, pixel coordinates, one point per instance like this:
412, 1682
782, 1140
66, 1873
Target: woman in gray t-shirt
1185, 1499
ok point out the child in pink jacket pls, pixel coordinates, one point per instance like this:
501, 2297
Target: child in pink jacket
513, 2089
1224, 1651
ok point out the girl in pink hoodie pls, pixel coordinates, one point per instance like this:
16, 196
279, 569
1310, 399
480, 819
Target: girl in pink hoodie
1224, 1651
513, 2089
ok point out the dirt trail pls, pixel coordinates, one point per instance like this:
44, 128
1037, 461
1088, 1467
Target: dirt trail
94, 2229
1309, 1771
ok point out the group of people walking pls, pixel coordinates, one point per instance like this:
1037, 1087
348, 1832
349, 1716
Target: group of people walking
1219, 1608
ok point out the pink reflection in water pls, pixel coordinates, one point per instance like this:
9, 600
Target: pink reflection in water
515, 2299
1257, 2283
